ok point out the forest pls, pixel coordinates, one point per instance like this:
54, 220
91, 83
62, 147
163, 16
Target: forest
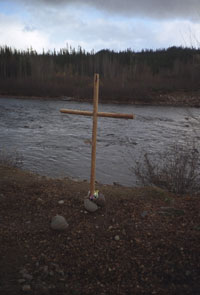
125, 76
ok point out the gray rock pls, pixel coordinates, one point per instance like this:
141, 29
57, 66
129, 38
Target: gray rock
59, 223
61, 202
90, 205
100, 201
117, 238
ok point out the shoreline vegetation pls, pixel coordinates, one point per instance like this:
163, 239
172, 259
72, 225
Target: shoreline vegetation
144, 241
161, 77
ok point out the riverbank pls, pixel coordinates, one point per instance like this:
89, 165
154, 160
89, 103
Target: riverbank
178, 98
145, 241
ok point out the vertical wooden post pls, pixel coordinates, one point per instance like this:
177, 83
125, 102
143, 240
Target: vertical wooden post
94, 134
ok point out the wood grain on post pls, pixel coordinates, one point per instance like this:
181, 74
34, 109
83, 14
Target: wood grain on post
94, 134
95, 115
99, 114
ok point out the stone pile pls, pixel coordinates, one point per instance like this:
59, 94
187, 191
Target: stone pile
92, 205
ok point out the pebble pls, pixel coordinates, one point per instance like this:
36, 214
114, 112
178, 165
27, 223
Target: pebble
117, 238
144, 213
45, 269
27, 276
188, 273
26, 288
59, 223
23, 270
61, 202
90, 205
123, 232
51, 273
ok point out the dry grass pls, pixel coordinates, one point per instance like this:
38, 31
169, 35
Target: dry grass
176, 169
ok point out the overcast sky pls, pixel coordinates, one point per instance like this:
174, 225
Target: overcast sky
98, 24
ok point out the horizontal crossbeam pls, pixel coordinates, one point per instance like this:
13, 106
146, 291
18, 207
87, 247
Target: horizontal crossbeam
99, 114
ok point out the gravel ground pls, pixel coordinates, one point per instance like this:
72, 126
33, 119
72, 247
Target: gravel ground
144, 241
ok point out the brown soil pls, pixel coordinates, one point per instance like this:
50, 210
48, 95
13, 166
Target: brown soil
156, 252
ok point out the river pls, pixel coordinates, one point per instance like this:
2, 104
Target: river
58, 145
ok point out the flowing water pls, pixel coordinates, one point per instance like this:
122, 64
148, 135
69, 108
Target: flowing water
58, 145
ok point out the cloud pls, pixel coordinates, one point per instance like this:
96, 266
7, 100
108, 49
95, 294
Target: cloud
159, 9
52, 26
90, 32
15, 34
76, 26
176, 33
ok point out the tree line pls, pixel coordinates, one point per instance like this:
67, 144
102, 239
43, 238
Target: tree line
124, 75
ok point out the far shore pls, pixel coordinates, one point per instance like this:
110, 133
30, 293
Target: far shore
179, 98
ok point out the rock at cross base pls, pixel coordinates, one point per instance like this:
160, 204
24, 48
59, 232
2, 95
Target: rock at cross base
100, 201
90, 205
59, 222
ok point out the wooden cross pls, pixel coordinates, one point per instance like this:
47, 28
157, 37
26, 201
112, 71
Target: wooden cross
95, 114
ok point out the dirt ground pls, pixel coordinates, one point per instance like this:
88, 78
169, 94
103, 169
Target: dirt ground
145, 241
